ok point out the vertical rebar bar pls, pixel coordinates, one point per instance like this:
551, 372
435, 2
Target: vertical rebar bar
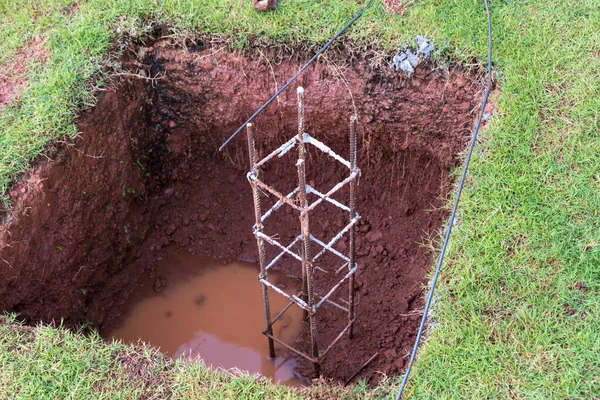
259, 241
352, 234
307, 266
301, 151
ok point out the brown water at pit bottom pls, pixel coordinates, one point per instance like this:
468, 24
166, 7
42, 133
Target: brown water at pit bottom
215, 312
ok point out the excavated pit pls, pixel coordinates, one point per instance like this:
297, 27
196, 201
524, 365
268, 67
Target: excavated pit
145, 176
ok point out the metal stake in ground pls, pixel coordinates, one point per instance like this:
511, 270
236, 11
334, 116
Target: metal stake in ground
307, 266
259, 241
352, 233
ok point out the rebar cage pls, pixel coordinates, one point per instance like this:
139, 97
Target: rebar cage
306, 299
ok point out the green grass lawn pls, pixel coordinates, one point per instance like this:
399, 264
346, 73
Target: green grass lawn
517, 312
54, 363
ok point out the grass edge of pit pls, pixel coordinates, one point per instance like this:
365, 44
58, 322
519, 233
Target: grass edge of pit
110, 71
543, 97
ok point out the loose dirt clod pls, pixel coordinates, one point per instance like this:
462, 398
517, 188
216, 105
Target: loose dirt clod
85, 229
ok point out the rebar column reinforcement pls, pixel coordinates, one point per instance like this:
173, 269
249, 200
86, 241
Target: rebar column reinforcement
259, 241
352, 233
307, 267
301, 248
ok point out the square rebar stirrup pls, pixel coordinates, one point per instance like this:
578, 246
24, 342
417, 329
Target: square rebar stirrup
297, 199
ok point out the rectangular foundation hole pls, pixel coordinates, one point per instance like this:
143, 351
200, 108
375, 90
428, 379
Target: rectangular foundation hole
86, 231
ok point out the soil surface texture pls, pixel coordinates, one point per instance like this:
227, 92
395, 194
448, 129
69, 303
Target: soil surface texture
146, 175
12, 81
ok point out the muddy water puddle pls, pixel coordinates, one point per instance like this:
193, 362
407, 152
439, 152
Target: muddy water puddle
214, 311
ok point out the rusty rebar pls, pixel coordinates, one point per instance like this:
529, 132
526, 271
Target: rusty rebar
374, 356
298, 199
259, 240
307, 265
287, 346
339, 336
301, 156
352, 234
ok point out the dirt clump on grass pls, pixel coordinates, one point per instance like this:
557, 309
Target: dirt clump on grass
146, 174
12, 74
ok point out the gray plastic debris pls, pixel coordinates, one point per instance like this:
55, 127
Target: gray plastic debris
425, 46
412, 58
406, 61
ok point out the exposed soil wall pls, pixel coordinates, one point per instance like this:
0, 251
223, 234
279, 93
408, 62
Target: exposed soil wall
146, 174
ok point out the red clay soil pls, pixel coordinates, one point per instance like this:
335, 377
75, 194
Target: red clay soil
146, 174
397, 6
12, 75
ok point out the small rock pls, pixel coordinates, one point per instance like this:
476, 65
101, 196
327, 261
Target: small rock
364, 228
170, 229
373, 252
374, 236
159, 284
172, 124
362, 251
199, 299
169, 191
204, 216
205, 65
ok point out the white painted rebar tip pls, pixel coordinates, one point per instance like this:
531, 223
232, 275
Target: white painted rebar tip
353, 118
300, 90
249, 125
